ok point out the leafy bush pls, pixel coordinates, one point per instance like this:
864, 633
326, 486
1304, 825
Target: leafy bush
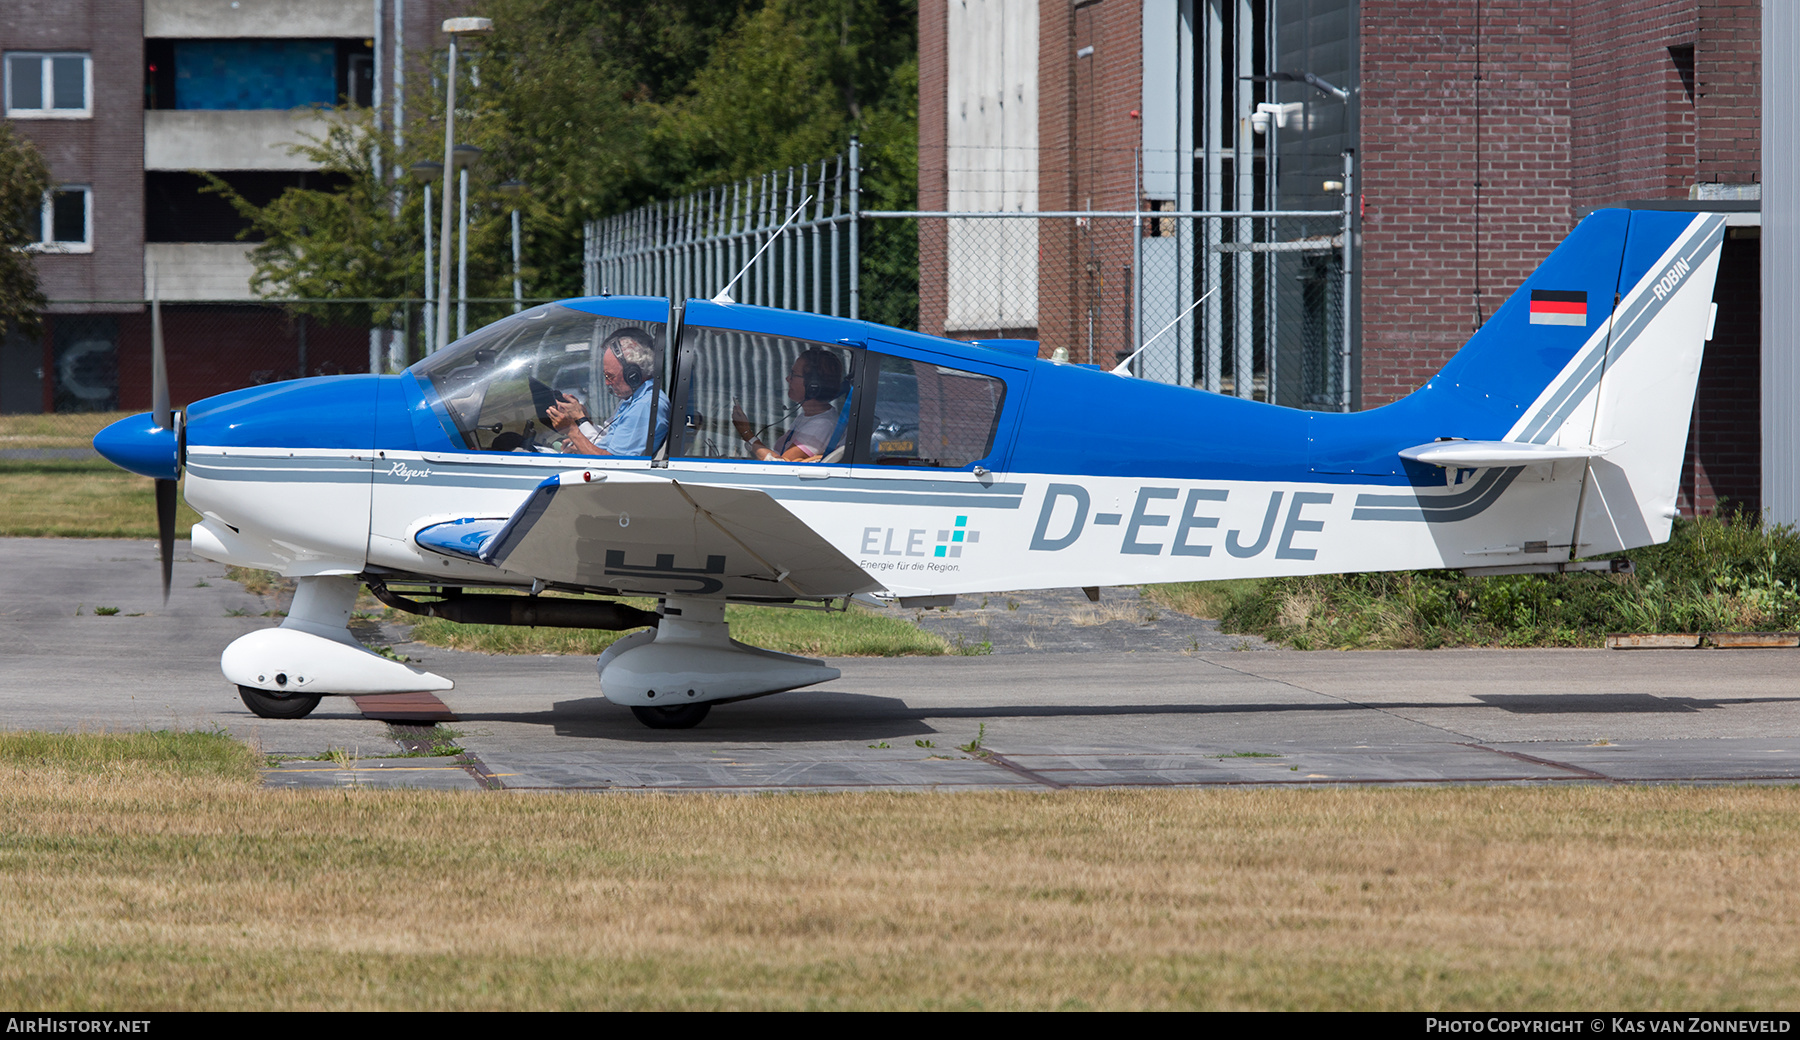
1714, 574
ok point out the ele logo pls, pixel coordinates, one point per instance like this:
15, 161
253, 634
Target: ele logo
900, 541
951, 542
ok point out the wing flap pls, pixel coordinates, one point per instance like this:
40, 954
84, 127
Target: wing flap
655, 535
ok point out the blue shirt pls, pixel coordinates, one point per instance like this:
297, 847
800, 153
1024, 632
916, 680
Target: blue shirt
625, 436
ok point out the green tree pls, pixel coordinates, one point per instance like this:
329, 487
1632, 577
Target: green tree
337, 243
597, 107
23, 181
571, 92
599, 111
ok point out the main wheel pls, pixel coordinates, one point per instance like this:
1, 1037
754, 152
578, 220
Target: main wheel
685, 717
272, 704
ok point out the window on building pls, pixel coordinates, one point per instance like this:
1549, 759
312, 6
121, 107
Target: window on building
65, 220
49, 86
238, 75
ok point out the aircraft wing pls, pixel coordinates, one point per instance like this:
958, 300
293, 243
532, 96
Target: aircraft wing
655, 535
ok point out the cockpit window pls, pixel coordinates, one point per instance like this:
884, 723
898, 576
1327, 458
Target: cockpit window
929, 415
554, 380
763, 398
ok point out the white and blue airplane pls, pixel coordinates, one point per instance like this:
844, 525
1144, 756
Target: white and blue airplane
776, 457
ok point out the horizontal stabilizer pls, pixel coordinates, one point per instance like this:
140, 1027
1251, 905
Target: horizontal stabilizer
652, 535
1500, 454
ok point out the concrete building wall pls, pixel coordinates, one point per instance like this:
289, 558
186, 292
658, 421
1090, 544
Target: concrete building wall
230, 140
199, 270
991, 144
1780, 349
203, 19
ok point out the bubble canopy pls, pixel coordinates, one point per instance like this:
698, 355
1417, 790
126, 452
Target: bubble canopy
497, 385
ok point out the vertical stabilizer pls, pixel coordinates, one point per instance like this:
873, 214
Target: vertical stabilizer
1641, 395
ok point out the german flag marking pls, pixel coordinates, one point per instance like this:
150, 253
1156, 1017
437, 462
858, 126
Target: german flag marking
1558, 307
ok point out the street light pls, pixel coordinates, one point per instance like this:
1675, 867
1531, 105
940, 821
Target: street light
453, 27
464, 156
425, 172
513, 189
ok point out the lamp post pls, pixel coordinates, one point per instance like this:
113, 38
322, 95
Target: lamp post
513, 189
453, 27
425, 173
465, 156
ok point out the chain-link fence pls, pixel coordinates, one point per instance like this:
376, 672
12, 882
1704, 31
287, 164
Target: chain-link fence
1251, 304
1248, 303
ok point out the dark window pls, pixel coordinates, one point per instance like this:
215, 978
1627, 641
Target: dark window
159, 74
68, 216
356, 72
68, 79
25, 82
53, 86
177, 209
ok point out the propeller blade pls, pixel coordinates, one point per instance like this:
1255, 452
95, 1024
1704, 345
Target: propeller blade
165, 531
159, 365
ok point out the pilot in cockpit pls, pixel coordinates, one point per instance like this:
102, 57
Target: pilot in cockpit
814, 382
628, 365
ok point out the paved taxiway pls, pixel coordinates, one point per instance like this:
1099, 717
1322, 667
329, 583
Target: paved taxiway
1212, 717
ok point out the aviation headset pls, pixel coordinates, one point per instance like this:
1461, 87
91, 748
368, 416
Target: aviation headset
824, 373
632, 372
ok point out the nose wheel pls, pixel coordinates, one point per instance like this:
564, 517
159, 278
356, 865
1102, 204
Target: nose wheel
273, 704
685, 717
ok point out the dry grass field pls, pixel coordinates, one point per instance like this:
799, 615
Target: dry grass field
151, 872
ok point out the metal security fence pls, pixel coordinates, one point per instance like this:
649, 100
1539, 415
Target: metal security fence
1250, 304
788, 236
1253, 303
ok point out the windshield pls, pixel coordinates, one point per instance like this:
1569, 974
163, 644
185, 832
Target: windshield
512, 385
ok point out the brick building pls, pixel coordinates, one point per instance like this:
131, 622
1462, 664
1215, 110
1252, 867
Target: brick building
1483, 131
127, 99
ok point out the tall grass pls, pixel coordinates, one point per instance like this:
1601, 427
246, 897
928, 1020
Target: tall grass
1714, 574
163, 882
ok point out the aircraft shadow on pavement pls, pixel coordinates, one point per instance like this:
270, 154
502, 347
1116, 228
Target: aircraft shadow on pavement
824, 715
1612, 703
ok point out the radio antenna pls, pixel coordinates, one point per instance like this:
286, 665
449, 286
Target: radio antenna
1121, 369
724, 295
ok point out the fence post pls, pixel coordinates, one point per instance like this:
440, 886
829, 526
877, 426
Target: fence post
1344, 305
1137, 256
855, 227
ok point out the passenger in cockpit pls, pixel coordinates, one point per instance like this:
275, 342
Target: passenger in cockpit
814, 382
628, 365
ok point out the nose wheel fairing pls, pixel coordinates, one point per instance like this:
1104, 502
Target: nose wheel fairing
314, 654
